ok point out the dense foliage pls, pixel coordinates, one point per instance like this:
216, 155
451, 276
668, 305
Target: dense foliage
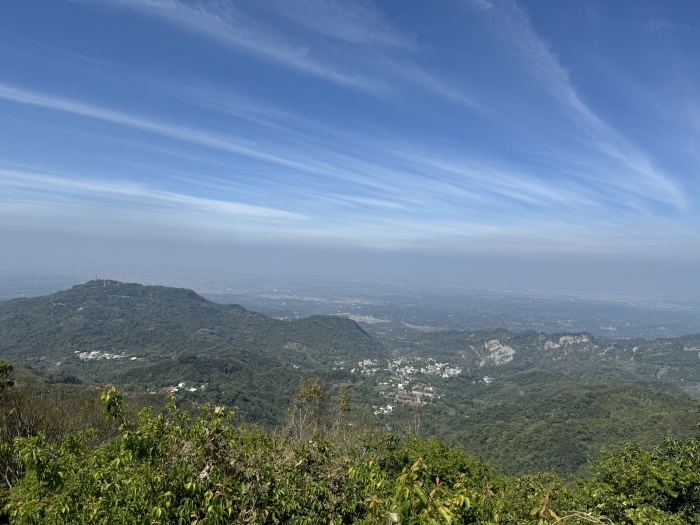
171, 467
570, 418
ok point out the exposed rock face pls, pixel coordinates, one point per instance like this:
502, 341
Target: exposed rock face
692, 349
496, 353
567, 340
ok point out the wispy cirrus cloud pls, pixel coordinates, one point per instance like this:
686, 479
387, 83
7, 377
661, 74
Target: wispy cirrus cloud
418, 76
37, 193
374, 175
195, 136
509, 185
226, 24
358, 22
364, 59
632, 169
398, 179
340, 167
64, 184
668, 25
361, 176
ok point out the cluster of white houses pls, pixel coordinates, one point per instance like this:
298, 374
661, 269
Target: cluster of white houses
400, 386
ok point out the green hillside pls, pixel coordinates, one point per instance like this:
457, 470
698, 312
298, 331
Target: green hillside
150, 337
512, 421
143, 320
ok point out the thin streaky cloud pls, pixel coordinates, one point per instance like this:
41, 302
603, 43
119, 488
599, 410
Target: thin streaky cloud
194, 136
513, 185
459, 177
227, 25
668, 25
478, 178
431, 84
227, 102
129, 190
291, 125
447, 181
358, 22
511, 23
306, 132
228, 144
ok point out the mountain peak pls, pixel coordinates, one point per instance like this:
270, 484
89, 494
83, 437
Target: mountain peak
109, 287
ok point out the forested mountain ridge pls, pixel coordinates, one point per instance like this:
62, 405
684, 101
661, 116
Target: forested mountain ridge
113, 317
158, 322
149, 337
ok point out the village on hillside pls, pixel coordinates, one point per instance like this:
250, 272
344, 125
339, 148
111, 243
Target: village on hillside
397, 380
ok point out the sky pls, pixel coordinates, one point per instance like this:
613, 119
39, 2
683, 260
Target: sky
527, 143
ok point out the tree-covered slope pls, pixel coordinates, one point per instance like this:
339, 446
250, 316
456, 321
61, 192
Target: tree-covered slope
538, 421
115, 317
149, 337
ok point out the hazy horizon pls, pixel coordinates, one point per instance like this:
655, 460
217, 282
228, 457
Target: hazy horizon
185, 264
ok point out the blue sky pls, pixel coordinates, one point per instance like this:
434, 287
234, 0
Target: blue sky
534, 133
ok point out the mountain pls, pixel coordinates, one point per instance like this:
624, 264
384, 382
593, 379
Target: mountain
154, 336
110, 316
